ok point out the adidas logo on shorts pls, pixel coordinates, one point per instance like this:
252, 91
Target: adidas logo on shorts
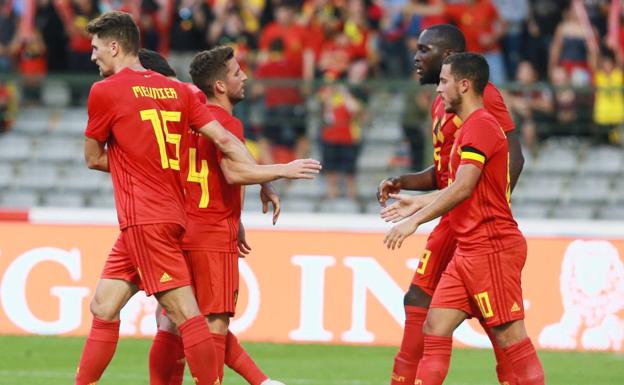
165, 278
515, 307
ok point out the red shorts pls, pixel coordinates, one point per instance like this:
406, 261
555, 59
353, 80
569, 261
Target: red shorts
484, 286
149, 256
215, 280
438, 253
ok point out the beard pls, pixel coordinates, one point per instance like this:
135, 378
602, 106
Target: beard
452, 105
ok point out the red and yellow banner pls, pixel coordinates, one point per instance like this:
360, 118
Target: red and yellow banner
313, 286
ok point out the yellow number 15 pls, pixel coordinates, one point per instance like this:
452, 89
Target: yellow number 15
163, 135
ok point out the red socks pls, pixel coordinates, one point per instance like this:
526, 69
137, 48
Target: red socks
98, 351
434, 365
411, 351
219, 342
525, 363
199, 350
239, 361
177, 373
164, 354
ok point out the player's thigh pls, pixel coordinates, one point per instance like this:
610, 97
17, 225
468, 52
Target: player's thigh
156, 252
438, 253
450, 304
493, 282
110, 297
215, 280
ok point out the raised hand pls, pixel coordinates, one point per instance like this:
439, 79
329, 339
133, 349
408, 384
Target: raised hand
386, 187
404, 206
302, 169
268, 194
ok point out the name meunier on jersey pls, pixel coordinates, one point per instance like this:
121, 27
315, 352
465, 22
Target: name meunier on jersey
154, 92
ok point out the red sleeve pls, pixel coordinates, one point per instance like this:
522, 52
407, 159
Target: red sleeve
199, 115
479, 142
495, 105
101, 116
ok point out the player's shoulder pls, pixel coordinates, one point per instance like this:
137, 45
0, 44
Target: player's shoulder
483, 118
491, 93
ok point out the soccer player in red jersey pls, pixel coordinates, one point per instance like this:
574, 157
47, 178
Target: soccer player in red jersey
483, 277
434, 44
214, 238
136, 131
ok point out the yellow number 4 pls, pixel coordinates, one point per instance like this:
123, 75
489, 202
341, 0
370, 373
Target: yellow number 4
483, 300
163, 135
200, 177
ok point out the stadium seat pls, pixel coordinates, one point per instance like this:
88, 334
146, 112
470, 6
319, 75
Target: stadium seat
15, 148
572, 211
55, 94
102, 201
59, 149
611, 213
33, 121
603, 160
530, 210
65, 199
556, 160
306, 188
340, 205
539, 188
294, 205
374, 157
590, 190
20, 199
39, 176
6, 175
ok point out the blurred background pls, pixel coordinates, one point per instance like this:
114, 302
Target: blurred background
331, 79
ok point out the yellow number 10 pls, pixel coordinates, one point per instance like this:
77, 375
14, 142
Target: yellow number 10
200, 177
163, 135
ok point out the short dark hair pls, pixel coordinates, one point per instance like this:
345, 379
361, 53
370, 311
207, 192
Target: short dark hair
154, 61
209, 66
448, 36
471, 66
118, 26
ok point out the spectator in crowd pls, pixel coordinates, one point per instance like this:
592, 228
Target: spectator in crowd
33, 66
571, 106
340, 139
544, 16
573, 47
515, 14
76, 14
8, 28
8, 106
50, 25
189, 25
288, 31
284, 132
416, 124
531, 105
608, 98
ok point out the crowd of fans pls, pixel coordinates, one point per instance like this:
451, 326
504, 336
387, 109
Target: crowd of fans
559, 60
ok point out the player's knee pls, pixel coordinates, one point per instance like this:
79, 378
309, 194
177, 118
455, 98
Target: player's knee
219, 323
416, 296
104, 310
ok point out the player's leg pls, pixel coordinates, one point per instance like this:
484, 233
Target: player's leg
438, 252
496, 289
155, 250
166, 357
449, 308
504, 371
116, 286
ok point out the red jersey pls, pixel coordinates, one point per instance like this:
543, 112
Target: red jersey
213, 206
284, 71
341, 126
483, 223
445, 126
474, 20
142, 117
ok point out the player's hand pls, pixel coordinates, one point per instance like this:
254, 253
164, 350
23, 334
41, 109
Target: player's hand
386, 187
268, 194
404, 206
243, 246
395, 237
302, 169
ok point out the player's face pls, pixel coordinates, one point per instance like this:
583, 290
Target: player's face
102, 55
235, 82
428, 58
448, 89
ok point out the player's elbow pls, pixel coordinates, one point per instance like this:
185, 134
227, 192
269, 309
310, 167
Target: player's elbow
93, 162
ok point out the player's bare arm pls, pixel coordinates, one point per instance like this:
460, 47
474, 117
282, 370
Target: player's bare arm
467, 178
406, 205
244, 173
419, 181
96, 156
516, 159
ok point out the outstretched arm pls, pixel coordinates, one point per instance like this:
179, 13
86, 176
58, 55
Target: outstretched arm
245, 173
420, 181
467, 178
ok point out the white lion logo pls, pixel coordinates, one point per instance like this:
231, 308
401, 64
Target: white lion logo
592, 289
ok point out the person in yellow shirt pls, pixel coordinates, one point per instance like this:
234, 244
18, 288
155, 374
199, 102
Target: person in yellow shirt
609, 98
